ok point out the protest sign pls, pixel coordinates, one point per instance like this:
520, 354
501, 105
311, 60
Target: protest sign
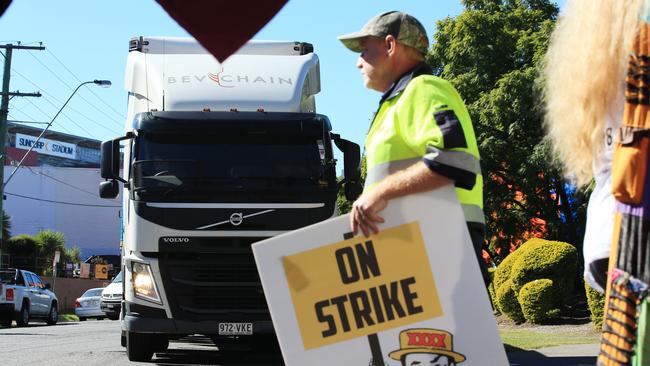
413, 291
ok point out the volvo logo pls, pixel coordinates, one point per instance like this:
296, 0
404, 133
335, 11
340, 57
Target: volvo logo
236, 219
176, 240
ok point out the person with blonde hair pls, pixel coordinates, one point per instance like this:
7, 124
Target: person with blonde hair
597, 97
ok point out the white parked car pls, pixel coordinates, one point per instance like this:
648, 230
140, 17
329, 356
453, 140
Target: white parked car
87, 305
24, 296
111, 302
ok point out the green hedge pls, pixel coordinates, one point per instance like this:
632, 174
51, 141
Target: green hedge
537, 259
596, 302
536, 299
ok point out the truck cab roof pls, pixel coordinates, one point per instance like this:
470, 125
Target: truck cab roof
178, 74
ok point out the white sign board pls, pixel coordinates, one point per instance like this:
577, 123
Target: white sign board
46, 146
412, 292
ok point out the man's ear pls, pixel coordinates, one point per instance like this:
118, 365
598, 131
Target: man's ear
390, 43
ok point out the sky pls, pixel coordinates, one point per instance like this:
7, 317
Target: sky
86, 40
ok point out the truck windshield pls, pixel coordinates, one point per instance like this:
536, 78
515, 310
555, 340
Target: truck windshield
199, 168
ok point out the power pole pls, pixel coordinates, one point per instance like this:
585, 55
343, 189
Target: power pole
4, 110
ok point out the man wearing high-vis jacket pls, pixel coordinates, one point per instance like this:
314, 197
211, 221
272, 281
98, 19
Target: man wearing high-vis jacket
422, 136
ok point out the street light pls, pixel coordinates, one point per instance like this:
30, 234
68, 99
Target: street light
101, 83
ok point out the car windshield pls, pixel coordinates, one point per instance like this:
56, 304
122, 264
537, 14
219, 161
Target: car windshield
93, 292
193, 168
118, 278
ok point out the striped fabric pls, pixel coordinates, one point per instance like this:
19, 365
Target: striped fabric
624, 339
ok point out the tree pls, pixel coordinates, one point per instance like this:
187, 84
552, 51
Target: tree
72, 255
491, 53
49, 242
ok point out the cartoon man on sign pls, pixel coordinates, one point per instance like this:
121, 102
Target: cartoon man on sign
426, 347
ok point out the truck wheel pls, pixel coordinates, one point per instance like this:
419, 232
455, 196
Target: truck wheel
6, 321
138, 347
23, 317
123, 339
53, 317
82, 319
113, 316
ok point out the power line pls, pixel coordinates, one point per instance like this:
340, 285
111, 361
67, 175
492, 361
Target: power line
59, 202
70, 119
69, 107
62, 182
79, 80
15, 120
46, 115
71, 88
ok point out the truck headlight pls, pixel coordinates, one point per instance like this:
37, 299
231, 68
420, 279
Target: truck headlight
144, 285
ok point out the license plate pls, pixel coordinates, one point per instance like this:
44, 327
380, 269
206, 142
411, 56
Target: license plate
235, 328
92, 303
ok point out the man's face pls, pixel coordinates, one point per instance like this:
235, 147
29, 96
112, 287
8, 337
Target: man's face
427, 359
374, 65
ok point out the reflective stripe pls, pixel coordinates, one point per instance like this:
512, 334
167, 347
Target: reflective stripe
473, 213
381, 171
458, 159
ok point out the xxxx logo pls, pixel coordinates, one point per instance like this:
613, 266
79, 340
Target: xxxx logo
426, 339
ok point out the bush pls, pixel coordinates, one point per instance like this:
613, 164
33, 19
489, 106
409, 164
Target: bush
537, 259
547, 259
22, 246
536, 299
508, 303
596, 302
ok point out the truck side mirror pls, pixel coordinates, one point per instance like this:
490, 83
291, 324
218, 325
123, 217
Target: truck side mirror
109, 166
351, 167
110, 162
109, 189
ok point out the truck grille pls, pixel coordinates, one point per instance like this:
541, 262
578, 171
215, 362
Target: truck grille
221, 285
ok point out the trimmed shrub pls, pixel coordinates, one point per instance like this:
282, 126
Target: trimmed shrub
22, 245
502, 273
508, 303
546, 259
536, 259
596, 302
536, 300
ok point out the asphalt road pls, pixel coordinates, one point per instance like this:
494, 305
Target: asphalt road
98, 343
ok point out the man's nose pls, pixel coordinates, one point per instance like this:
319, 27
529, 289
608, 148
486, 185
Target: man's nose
359, 62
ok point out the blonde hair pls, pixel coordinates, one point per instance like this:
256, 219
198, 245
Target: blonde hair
584, 73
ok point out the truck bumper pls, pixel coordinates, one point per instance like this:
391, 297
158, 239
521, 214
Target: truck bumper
141, 319
110, 308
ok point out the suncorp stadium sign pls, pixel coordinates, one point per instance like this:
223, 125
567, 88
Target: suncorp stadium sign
45, 146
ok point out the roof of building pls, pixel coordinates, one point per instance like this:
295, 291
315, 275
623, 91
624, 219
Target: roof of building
13, 127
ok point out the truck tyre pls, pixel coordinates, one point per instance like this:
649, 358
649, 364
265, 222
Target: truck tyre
123, 339
6, 321
138, 347
23, 316
112, 316
82, 319
53, 316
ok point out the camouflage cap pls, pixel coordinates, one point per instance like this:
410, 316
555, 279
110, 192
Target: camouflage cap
405, 28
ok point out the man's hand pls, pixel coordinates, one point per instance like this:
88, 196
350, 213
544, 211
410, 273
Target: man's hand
364, 214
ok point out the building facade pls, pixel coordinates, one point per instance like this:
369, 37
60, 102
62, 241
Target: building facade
56, 188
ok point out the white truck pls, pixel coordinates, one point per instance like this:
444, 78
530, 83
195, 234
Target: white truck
216, 156
24, 296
